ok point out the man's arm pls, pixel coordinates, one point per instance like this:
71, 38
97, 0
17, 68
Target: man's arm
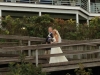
51, 35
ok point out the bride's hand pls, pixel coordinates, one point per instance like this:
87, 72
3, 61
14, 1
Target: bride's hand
51, 42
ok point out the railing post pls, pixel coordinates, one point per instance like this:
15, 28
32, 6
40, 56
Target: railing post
0, 18
13, 1
52, 2
20, 43
36, 58
98, 53
89, 6
93, 8
29, 51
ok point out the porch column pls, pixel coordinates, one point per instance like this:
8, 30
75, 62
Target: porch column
39, 0
77, 19
39, 13
0, 17
89, 5
88, 22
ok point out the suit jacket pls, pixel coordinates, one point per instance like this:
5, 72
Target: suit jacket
49, 38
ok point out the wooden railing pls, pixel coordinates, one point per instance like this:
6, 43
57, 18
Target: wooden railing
21, 38
39, 47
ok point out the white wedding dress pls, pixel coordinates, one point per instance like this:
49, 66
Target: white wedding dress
57, 59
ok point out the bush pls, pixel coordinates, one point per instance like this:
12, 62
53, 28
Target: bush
94, 28
24, 68
14, 25
82, 71
37, 26
40, 25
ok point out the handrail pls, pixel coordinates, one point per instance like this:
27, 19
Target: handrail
30, 38
43, 46
53, 2
37, 47
21, 37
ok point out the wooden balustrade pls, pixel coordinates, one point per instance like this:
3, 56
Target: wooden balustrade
40, 47
43, 46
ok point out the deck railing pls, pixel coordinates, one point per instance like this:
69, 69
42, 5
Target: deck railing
85, 48
95, 7
52, 2
82, 4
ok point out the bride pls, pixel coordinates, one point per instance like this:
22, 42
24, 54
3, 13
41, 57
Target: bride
56, 50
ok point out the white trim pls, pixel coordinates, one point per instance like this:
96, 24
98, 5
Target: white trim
0, 17
40, 13
38, 10
0, 13
88, 22
89, 5
83, 15
94, 14
45, 8
38, 5
42, 6
77, 18
84, 11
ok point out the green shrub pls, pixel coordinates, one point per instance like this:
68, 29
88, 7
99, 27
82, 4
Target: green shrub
82, 71
24, 68
37, 26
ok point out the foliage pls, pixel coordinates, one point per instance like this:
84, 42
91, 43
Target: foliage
13, 26
24, 68
95, 28
37, 26
82, 71
65, 27
40, 25
83, 32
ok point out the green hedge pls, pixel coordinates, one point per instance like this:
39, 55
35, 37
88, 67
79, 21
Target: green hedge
24, 68
37, 26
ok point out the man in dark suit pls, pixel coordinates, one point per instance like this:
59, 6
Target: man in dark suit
49, 39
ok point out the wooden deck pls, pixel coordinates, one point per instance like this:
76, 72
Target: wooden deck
86, 52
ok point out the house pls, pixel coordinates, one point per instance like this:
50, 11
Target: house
80, 10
